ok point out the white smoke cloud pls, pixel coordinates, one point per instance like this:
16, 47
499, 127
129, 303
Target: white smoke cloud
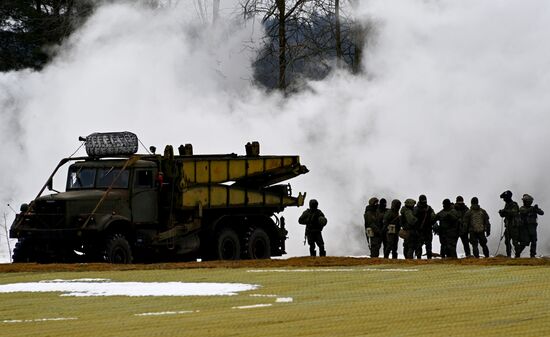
454, 101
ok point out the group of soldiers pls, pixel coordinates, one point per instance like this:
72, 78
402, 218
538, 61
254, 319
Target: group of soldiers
416, 223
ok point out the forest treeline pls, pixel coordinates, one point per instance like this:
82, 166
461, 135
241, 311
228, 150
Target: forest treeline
304, 39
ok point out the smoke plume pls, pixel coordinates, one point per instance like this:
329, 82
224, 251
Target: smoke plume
453, 101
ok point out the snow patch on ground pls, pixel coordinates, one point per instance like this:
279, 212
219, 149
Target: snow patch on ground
163, 313
253, 306
284, 300
102, 287
39, 320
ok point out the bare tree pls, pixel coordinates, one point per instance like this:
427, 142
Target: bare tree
280, 12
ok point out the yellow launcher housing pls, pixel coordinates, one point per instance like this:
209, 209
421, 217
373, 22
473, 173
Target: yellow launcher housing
239, 181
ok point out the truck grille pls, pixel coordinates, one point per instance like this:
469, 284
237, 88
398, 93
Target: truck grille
49, 214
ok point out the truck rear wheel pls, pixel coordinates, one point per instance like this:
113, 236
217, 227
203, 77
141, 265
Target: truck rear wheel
117, 250
256, 244
228, 246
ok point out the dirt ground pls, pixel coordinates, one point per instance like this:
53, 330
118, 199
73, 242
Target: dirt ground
295, 262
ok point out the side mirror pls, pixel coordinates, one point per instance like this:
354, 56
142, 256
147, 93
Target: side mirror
49, 184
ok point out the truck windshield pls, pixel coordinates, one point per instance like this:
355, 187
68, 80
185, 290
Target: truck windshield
112, 177
88, 178
81, 178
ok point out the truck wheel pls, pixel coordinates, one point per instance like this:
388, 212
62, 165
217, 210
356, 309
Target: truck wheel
228, 246
23, 252
117, 250
257, 244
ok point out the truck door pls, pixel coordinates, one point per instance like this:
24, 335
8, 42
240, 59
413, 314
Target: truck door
144, 196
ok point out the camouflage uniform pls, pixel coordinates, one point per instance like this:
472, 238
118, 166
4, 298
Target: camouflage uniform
448, 229
528, 214
373, 227
382, 208
425, 216
315, 221
409, 226
477, 222
461, 208
512, 225
391, 218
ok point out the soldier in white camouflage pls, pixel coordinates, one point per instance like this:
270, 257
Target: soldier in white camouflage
529, 214
476, 220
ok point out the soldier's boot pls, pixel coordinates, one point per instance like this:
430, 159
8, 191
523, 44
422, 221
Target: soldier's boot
466, 246
486, 251
322, 252
475, 250
312, 252
533, 249
429, 253
508, 249
394, 255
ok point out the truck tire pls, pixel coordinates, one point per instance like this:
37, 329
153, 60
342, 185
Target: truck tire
117, 250
23, 252
228, 246
256, 244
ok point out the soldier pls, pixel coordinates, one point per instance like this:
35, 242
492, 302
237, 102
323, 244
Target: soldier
408, 231
373, 227
461, 209
512, 223
528, 214
382, 208
477, 222
315, 221
391, 226
425, 216
448, 229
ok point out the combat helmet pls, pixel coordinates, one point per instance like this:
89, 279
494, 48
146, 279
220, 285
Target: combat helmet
527, 199
410, 203
506, 195
313, 204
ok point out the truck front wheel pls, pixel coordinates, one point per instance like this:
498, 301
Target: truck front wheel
227, 245
117, 250
24, 252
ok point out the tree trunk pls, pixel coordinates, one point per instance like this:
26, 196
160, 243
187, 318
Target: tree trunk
339, 53
215, 11
282, 44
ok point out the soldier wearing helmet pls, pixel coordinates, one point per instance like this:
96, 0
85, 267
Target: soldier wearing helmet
425, 216
448, 229
476, 220
461, 208
315, 221
373, 228
529, 214
409, 231
391, 226
512, 224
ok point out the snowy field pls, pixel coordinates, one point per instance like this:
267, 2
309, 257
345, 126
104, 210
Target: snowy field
322, 301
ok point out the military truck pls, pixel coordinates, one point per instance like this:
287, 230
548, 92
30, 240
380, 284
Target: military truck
124, 207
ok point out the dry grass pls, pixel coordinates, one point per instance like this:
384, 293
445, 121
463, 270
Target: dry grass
328, 261
486, 297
